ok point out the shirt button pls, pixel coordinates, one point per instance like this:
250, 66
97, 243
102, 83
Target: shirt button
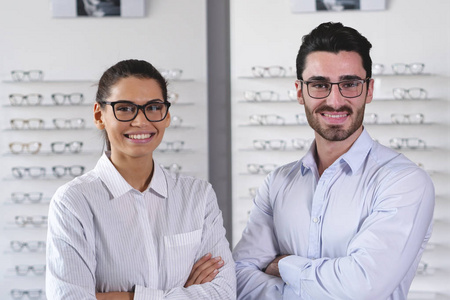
315, 220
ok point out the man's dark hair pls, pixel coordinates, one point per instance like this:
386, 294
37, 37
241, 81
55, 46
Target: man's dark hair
334, 37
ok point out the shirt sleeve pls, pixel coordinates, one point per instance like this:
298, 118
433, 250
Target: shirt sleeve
223, 286
256, 249
70, 257
386, 249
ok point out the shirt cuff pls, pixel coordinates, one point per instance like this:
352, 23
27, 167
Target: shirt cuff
291, 268
143, 293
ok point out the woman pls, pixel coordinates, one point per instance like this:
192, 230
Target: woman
129, 229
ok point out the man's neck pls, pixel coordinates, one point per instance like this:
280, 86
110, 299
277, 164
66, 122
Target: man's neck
327, 152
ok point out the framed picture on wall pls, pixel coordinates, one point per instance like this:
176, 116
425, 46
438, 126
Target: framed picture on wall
97, 8
299, 6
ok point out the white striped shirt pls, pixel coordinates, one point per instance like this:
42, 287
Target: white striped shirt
105, 236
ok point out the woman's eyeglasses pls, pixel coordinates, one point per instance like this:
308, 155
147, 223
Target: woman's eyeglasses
126, 111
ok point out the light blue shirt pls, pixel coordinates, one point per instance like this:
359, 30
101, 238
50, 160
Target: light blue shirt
356, 232
105, 236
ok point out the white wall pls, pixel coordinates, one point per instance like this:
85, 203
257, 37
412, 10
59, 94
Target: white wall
171, 35
265, 33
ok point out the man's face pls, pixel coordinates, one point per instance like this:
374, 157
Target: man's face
335, 117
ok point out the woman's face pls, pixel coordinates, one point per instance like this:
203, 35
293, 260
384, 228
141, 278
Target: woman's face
139, 137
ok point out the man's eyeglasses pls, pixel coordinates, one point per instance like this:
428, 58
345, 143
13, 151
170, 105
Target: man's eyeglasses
74, 98
31, 75
318, 89
126, 111
30, 99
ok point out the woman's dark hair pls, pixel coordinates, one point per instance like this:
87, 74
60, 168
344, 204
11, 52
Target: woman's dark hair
124, 69
334, 37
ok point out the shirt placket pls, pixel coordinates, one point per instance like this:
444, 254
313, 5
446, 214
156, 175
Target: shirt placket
319, 201
150, 245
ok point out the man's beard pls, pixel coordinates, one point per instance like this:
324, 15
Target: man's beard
335, 133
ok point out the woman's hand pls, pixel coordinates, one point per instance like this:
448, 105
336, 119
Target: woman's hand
204, 270
115, 296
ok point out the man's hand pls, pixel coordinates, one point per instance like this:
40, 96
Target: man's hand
204, 270
272, 268
115, 296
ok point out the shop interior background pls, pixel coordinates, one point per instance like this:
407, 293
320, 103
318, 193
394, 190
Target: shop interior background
73, 53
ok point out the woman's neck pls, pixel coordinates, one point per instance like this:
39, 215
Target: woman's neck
138, 172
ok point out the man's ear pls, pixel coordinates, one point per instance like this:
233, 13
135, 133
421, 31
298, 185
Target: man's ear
98, 117
298, 87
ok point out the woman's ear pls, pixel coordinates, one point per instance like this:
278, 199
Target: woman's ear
98, 116
167, 119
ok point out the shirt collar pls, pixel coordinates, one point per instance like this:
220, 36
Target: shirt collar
354, 157
118, 186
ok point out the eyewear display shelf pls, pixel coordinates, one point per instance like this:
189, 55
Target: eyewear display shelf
266, 129
25, 194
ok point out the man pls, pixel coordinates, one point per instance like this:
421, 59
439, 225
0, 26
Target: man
350, 219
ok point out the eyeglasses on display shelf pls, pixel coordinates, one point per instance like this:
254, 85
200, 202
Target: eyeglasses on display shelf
292, 95
414, 68
73, 123
260, 169
407, 143
24, 270
301, 119
174, 146
172, 97
370, 118
31, 147
252, 191
22, 124
301, 144
377, 69
266, 120
20, 197
61, 147
269, 144
30, 75
30, 99
319, 89
407, 118
173, 168
72, 99
32, 172
171, 73
412, 93
175, 121
72, 171
36, 221
33, 294
271, 71
125, 111
254, 96
32, 246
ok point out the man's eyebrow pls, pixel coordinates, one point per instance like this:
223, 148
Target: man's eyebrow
349, 77
318, 78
